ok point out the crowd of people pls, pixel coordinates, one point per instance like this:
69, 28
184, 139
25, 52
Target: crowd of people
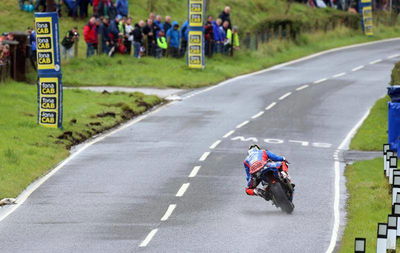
156, 36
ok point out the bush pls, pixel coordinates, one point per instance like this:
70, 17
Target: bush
395, 77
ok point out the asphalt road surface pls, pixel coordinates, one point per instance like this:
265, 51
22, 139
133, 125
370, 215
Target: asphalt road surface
140, 190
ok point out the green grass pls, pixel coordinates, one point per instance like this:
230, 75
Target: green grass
28, 151
369, 202
373, 132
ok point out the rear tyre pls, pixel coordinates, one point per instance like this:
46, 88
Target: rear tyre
281, 198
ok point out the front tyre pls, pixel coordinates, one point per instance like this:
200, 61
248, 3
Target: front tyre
281, 198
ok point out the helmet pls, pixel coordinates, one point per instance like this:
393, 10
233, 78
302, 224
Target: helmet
253, 148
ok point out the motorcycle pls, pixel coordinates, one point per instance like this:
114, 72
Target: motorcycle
278, 187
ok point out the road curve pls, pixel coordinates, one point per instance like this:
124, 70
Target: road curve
174, 181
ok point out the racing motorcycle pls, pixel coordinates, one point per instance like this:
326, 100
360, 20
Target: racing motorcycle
277, 187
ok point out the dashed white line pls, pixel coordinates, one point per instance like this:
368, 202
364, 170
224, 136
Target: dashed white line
148, 238
228, 134
321, 80
376, 61
270, 106
302, 87
257, 115
182, 190
285, 96
339, 75
169, 211
393, 56
242, 124
215, 144
194, 171
204, 156
357, 68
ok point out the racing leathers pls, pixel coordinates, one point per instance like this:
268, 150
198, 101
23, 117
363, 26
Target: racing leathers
257, 158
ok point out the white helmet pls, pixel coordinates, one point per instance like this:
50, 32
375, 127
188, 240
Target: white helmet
253, 148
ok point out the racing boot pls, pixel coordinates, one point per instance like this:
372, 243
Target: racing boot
262, 193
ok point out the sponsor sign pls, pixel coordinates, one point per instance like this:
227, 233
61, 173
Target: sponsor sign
47, 38
195, 50
49, 71
49, 97
367, 20
196, 13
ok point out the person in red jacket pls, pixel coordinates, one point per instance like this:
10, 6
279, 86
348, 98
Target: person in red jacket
90, 35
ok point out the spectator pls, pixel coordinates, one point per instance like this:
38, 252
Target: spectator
122, 8
138, 38
209, 37
150, 31
184, 37
219, 36
105, 35
40, 3
158, 22
107, 9
162, 45
90, 35
32, 44
174, 37
95, 4
225, 16
83, 8
235, 38
128, 36
167, 24
5, 54
68, 42
228, 38
152, 16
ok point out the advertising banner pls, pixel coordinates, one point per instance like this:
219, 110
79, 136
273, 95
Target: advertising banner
196, 14
49, 70
367, 20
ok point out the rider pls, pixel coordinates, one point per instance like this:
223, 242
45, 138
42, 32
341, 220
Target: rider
257, 158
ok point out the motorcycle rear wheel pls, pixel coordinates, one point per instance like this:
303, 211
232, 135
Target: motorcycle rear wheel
281, 198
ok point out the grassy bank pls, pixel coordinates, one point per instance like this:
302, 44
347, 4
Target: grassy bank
127, 71
372, 134
369, 202
28, 151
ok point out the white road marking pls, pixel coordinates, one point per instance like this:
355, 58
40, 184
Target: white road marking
257, 115
215, 144
270, 106
303, 143
148, 238
194, 171
204, 156
339, 75
376, 61
321, 80
242, 124
228, 134
336, 202
169, 211
393, 56
302, 87
182, 190
358, 68
285, 96
241, 138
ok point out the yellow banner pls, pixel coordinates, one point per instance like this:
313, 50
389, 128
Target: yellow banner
48, 101
44, 43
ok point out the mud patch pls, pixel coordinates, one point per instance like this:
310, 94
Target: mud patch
106, 114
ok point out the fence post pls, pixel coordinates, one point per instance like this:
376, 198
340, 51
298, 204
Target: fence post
256, 40
280, 32
76, 46
247, 40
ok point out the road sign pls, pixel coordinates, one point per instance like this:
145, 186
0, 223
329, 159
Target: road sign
50, 91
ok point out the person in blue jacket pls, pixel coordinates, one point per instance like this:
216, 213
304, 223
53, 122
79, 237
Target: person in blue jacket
256, 159
174, 39
219, 35
122, 8
184, 38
